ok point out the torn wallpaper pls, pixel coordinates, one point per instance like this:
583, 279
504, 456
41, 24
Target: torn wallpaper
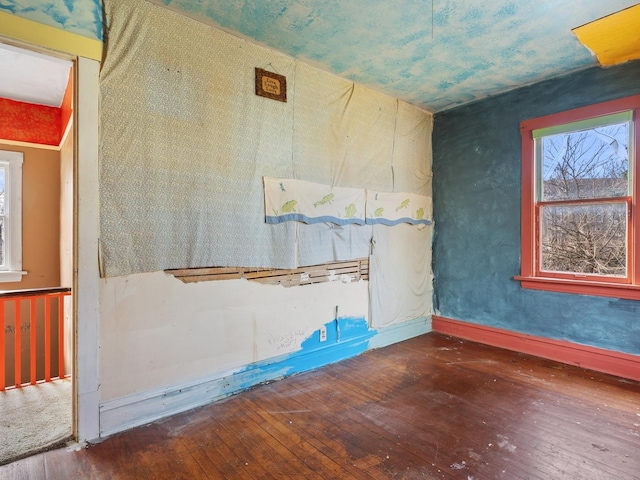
185, 144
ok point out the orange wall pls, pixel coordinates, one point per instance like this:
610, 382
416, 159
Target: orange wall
26, 122
40, 218
39, 124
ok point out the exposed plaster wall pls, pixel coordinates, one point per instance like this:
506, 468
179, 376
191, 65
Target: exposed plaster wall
157, 331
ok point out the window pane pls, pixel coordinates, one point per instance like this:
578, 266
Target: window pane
588, 239
592, 163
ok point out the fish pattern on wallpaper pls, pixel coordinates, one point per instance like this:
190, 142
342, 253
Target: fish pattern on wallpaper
82, 17
289, 200
433, 55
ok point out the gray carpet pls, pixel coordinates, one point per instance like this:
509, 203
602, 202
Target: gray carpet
34, 418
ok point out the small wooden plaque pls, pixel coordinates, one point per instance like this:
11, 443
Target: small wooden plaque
271, 85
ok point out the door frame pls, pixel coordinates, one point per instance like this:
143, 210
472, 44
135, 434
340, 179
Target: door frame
86, 54
86, 285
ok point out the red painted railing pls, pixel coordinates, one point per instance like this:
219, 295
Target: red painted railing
44, 312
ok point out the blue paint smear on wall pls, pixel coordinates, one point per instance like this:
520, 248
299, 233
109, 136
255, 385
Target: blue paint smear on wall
346, 337
476, 183
83, 17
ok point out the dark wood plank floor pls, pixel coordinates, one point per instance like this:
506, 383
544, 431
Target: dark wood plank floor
429, 408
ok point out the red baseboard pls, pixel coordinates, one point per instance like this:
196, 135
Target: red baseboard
607, 361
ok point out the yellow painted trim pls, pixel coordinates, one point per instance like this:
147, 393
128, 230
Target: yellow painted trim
49, 37
614, 39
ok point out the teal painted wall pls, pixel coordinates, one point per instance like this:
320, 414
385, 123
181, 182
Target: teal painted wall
476, 171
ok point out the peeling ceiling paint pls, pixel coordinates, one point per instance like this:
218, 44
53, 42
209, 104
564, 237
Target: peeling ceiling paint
615, 38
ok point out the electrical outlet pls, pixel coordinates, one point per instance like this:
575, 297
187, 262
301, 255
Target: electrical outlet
323, 333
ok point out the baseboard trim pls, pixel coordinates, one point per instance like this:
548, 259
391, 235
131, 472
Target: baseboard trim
140, 409
606, 361
399, 332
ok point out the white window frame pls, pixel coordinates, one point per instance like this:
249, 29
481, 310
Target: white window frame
11, 271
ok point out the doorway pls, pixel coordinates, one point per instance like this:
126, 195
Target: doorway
36, 250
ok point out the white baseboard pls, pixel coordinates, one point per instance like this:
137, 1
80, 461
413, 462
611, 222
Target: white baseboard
145, 407
399, 332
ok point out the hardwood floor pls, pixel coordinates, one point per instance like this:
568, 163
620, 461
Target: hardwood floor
433, 407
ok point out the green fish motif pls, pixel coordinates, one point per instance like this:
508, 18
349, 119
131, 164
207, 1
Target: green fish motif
378, 212
326, 199
289, 206
350, 210
404, 204
419, 213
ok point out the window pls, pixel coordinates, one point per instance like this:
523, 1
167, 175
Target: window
10, 216
580, 194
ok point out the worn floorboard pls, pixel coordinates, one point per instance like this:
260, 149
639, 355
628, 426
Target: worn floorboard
433, 407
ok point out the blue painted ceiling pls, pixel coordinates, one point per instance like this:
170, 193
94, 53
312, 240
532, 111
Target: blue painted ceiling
435, 55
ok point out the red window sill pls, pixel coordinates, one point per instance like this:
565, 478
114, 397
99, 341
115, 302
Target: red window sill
581, 287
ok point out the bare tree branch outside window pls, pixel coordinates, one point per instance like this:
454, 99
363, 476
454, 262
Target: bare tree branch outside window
581, 229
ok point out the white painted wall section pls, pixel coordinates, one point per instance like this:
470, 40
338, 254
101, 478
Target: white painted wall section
157, 331
86, 286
